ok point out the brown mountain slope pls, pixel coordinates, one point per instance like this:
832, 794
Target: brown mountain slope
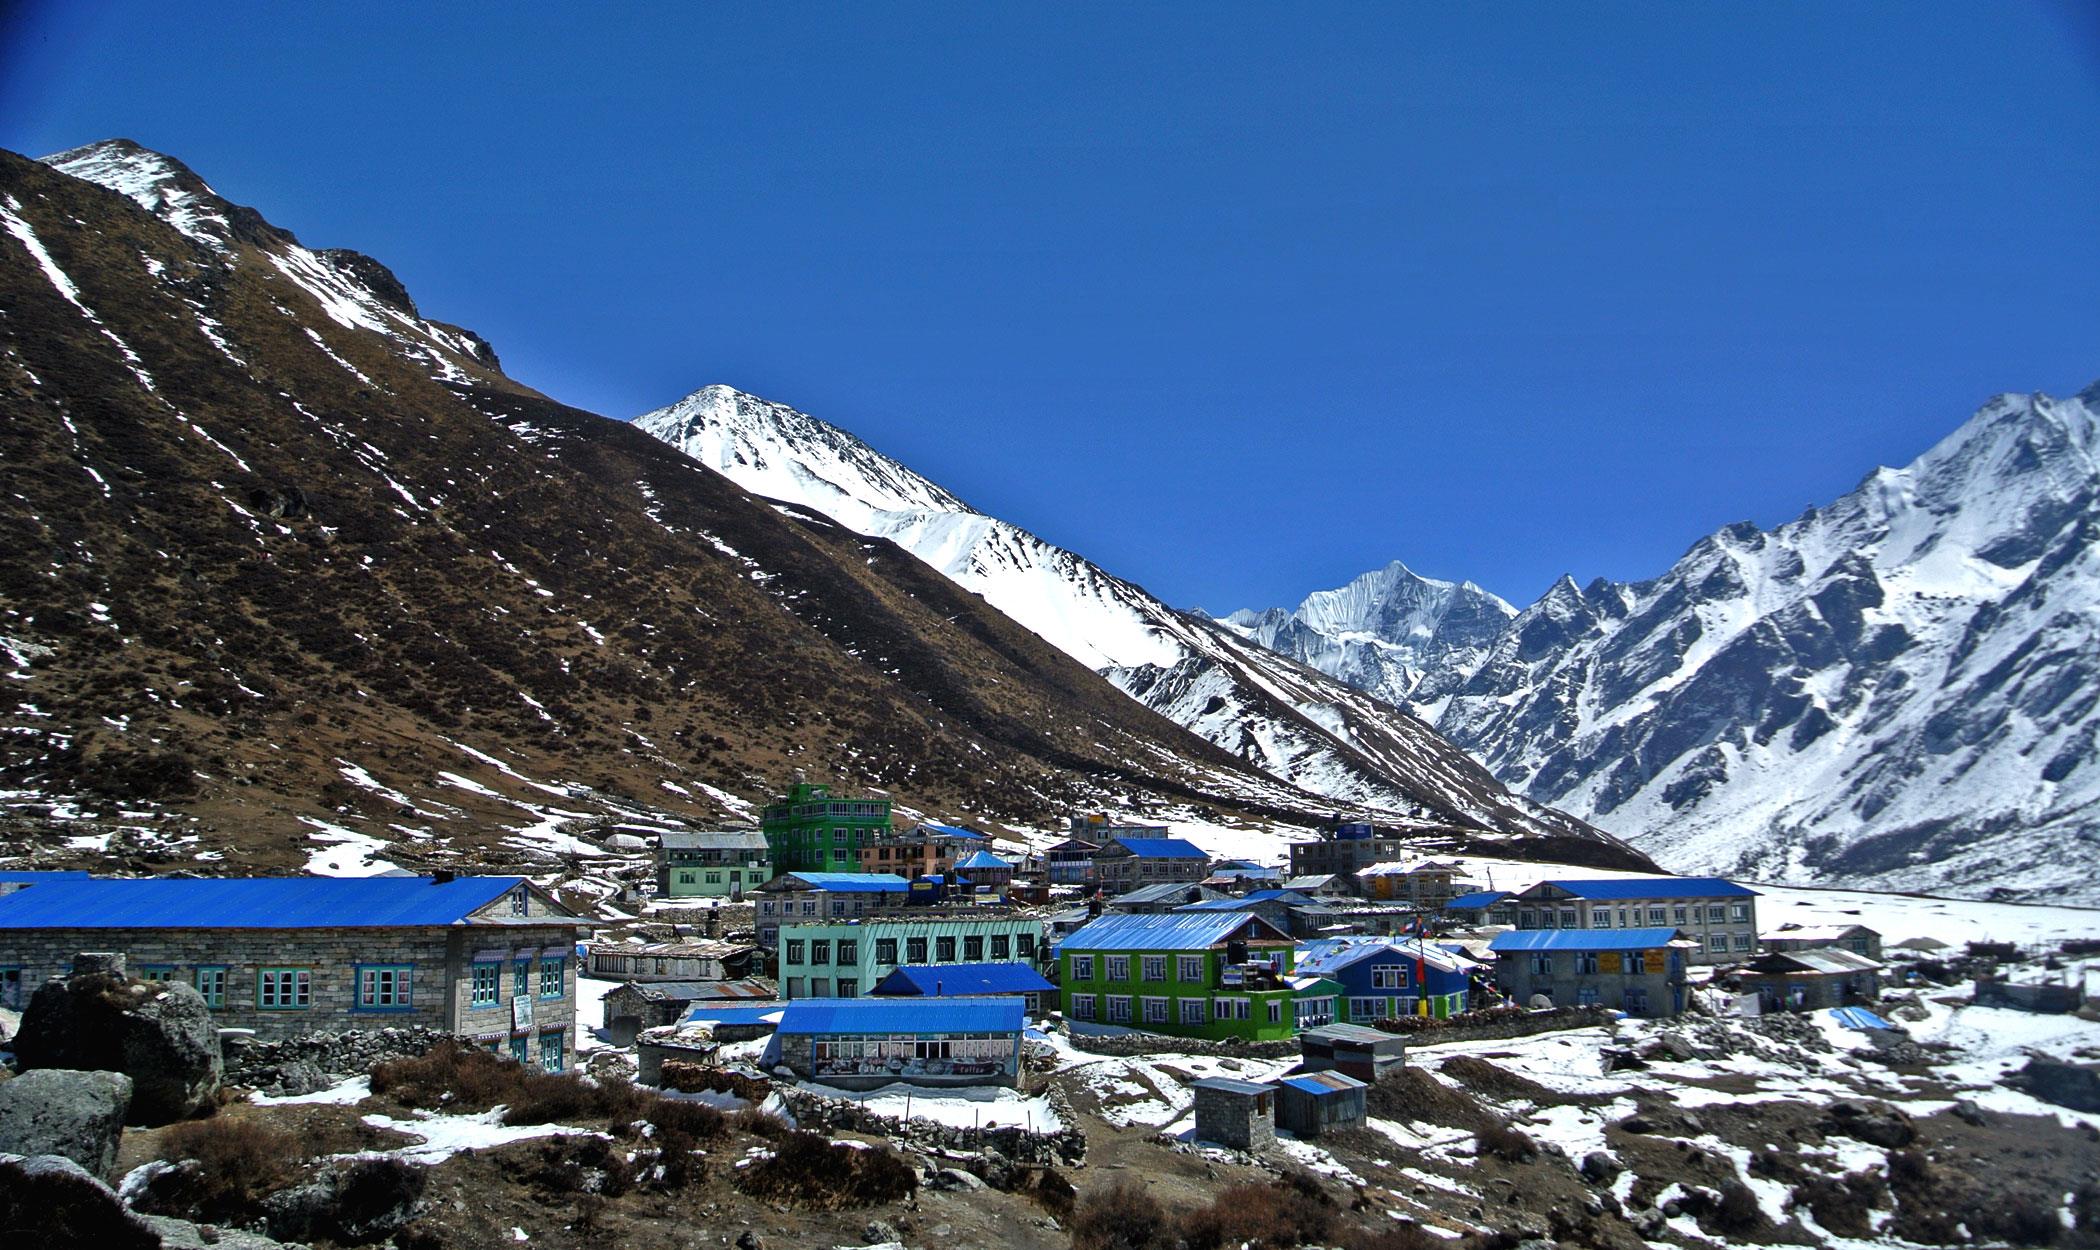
288, 567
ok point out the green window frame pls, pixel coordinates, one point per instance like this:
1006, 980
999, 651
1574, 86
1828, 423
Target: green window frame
521, 978
156, 972
385, 987
284, 989
551, 1051
554, 977
210, 980
486, 983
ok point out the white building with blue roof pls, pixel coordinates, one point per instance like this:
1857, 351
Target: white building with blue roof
866, 1043
492, 958
1718, 914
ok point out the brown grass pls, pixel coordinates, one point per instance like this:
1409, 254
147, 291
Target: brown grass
809, 1170
1260, 1217
1506, 1142
1121, 1217
239, 1162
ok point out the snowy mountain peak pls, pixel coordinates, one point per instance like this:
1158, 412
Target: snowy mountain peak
162, 185
773, 450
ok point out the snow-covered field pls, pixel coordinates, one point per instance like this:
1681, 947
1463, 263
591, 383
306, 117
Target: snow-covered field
974, 1107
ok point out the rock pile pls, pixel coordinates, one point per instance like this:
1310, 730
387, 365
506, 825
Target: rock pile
159, 1033
1004, 1146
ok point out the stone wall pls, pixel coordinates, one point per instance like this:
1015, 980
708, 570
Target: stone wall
822, 1114
1127, 1045
311, 1061
1525, 1025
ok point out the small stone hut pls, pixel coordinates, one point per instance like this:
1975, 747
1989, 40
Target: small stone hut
1311, 1103
1241, 1114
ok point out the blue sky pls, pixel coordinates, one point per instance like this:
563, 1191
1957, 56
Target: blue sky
1237, 301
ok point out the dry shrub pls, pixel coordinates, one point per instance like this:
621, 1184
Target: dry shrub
1260, 1217
1412, 1095
579, 1165
1122, 1217
1050, 1189
676, 1165
760, 1124
810, 1170
568, 1098
1737, 1212
239, 1162
1506, 1142
694, 1119
451, 1075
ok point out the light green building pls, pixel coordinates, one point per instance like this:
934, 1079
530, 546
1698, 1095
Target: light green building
809, 831
711, 865
1190, 974
843, 959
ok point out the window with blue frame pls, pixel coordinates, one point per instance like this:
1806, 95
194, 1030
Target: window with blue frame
487, 983
521, 1048
384, 987
550, 1052
156, 972
284, 989
521, 979
554, 978
210, 981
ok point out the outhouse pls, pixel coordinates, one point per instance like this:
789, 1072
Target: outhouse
1241, 1114
1364, 1053
1311, 1103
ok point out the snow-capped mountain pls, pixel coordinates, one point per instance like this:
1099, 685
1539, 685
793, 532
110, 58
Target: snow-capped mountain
1901, 689
1291, 721
1391, 632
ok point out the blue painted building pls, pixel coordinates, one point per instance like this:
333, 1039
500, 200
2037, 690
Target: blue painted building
1382, 979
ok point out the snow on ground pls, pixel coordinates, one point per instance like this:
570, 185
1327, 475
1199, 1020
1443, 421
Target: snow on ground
348, 1093
1153, 1089
446, 1135
348, 853
590, 1011
969, 1107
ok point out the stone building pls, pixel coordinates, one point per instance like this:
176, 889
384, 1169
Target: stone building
1810, 980
703, 960
1311, 1103
1857, 938
492, 958
1637, 971
1125, 863
1240, 1114
866, 1043
807, 897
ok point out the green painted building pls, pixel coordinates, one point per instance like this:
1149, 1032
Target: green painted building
1189, 974
843, 959
711, 865
809, 831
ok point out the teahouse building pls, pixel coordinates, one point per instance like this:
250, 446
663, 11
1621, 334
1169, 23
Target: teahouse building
1637, 971
866, 1043
492, 958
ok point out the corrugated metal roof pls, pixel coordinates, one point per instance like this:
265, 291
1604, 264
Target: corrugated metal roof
954, 831
1165, 891
249, 902
853, 882
702, 991
728, 840
1824, 960
1859, 1018
1175, 930
1161, 848
1359, 1034
734, 1015
1652, 887
1230, 1086
1333, 954
1477, 899
963, 980
903, 1015
1582, 939
983, 859
1322, 1084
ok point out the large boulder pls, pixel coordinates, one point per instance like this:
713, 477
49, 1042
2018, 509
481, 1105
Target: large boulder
159, 1033
353, 1203
49, 1200
78, 1115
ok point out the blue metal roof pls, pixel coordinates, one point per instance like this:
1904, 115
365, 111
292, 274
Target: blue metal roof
1582, 939
983, 859
249, 902
735, 1015
963, 980
903, 1015
1161, 848
1287, 897
955, 831
1479, 899
1322, 1084
854, 882
1859, 1018
1653, 887
34, 876
1173, 931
